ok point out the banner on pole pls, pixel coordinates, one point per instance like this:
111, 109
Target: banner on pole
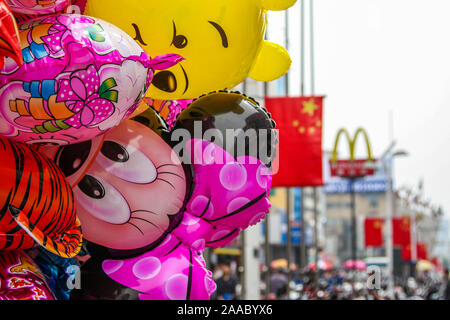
299, 121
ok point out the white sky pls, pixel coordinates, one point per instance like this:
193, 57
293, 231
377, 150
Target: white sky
373, 56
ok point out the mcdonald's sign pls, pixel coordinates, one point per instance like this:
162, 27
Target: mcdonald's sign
352, 168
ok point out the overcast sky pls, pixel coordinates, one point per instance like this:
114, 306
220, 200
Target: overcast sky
373, 56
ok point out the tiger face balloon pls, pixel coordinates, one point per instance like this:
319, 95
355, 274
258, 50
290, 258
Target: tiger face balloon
36, 203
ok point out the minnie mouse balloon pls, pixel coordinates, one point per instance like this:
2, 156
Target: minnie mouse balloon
147, 216
81, 77
129, 197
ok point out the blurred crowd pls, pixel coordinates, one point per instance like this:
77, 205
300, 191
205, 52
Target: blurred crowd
342, 284
336, 284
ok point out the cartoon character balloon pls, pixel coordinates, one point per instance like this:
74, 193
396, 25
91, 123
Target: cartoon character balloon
124, 205
81, 76
222, 41
148, 216
36, 202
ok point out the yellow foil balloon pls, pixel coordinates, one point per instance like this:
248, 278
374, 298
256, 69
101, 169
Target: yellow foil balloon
221, 41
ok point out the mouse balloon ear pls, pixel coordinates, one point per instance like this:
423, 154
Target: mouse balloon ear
277, 5
273, 62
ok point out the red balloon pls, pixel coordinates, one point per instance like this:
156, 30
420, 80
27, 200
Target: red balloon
9, 36
36, 203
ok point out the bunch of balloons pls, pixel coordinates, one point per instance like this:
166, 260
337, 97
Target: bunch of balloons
121, 154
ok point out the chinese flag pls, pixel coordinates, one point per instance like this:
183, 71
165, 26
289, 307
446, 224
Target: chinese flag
401, 231
406, 253
299, 121
422, 251
373, 231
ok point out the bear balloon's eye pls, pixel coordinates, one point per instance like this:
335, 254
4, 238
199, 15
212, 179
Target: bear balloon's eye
115, 152
91, 187
179, 41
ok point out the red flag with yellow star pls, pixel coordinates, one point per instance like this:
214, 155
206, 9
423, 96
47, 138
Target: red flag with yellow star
406, 253
299, 121
401, 231
421, 251
373, 232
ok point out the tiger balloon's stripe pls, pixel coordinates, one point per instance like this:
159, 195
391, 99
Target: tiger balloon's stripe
36, 203
69, 244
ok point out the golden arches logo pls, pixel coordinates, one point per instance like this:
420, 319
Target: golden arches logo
351, 144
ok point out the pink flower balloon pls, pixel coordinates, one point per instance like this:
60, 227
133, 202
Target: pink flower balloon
81, 76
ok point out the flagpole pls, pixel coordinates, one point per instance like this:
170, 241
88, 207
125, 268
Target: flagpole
312, 47
353, 223
267, 257
389, 233
244, 241
267, 235
389, 215
302, 90
288, 190
313, 92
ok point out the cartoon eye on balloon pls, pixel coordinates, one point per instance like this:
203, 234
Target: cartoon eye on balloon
99, 197
126, 163
222, 41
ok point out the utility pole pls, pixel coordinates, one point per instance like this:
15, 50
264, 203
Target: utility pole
251, 247
244, 242
353, 219
313, 91
303, 258
389, 233
316, 239
387, 158
267, 257
288, 190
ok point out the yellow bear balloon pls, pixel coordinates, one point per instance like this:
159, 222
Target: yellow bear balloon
221, 40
